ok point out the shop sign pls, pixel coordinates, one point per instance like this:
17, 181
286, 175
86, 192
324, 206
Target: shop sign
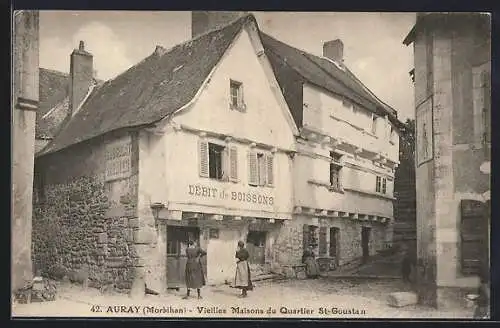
252, 197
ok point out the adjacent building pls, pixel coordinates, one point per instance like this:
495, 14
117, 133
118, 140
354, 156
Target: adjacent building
347, 153
286, 151
24, 108
453, 140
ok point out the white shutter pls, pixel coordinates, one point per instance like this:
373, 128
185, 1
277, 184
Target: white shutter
252, 168
233, 163
241, 99
270, 170
225, 164
203, 158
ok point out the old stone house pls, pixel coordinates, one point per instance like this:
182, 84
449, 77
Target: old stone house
191, 144
190, 130
453, 140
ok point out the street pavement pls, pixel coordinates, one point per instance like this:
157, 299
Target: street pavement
324, 298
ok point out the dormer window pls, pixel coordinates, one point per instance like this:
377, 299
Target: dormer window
236, 96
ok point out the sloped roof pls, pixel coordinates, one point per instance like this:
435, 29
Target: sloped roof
150, 90
168, 79
324, 73
53, 91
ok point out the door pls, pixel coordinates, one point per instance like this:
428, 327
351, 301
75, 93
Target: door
177, 238
256, 246
221, 259
365, 242
334, 247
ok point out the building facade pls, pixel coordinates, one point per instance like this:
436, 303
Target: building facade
189, 144
347, 152
25, 104
452, 97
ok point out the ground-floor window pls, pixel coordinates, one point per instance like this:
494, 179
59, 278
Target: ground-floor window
310, 238
256, 246
334, 243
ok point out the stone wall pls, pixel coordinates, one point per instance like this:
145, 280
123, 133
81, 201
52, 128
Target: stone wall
288, 245
81, 222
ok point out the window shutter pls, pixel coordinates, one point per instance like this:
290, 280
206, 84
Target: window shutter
322, 241
241, 99
225, 164
270, 170
253, 178
233, 163
486, 78
473, 231
203, 158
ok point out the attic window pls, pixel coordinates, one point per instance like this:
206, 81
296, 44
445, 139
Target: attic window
236, 96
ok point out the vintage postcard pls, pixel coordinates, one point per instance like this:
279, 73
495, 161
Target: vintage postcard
213, 164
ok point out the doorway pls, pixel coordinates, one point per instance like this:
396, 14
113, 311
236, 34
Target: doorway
256, 246
177, 239
365, 242
334, 246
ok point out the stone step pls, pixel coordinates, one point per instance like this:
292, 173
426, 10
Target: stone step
401, 299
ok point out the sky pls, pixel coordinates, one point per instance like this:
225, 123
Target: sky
373, 47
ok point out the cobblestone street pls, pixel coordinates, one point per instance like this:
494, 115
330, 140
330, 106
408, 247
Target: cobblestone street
322, 299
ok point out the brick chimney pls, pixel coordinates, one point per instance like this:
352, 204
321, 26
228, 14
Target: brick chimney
81, 76
203, 21
334, 50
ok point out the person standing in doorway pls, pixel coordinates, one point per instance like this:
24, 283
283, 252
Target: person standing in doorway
309, 259
195, 277
242, 279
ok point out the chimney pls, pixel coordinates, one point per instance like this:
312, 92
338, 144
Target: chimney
334, 50
81, 76
204, 21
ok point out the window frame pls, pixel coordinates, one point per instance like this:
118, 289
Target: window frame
264, 166
223, 158
236, 102
335, 165
381, 185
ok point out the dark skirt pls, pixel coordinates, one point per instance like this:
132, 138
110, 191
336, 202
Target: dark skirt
312, 267
195, 277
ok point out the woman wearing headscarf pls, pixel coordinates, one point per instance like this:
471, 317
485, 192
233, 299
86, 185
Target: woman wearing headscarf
195, 277
242, 279
312, 268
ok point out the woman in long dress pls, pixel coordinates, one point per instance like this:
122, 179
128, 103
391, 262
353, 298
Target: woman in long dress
312, 268
195, 277
242, 279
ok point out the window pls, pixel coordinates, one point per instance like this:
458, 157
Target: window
335, 167
218, 162
374, 124
260, 169
215, 161
381, 185
213, 233
323, 247
236, 94
309, 236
